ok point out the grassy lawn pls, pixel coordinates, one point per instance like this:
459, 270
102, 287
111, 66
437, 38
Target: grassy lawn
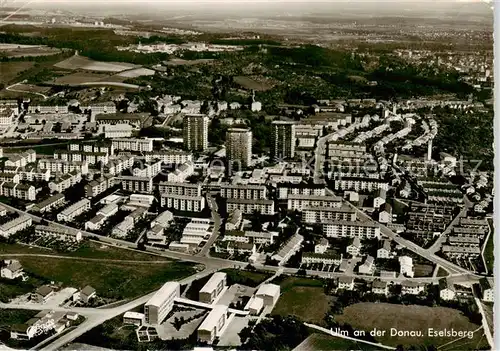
10, 289
384, 316
442, 272
9, 70
489, 257
10, 317
323, 342
89, 249
113, 280
303, 298
248, 278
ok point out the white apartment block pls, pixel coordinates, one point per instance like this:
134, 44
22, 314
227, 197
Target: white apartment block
74, 210
249, 206
123, 228
173, 157
181, 173
100, 108
118, 164
349, 229
20, 191
10, 177
240, 191
61, 166
183, 202
176, 188
80, 156
311, 214
133, 144
65, 181
195, 132
136, 184
16, 225
286, 189
298, 202
283, 140
93, 147
7, 116
324, 258
22, 159
32, 174
43, 109
149, 170
358, 184
111, 131
195, 233
99, 186
239, 146
59, 233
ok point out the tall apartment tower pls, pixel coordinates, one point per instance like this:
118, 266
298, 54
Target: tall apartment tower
239, 146
283, 140
195, 131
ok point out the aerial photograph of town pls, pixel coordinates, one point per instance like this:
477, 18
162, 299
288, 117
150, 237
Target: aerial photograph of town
232, 175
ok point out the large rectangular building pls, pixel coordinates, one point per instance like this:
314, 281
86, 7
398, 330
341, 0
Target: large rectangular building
349, 229
195, 131
239, 147
249, 206
213, 324
299, 202
283, 140
213, 287
243, 191
133, 144
157, 308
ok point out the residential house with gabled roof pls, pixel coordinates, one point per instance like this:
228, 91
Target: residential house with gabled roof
346, 283
385, 214
379, 287
385, 249
354, 247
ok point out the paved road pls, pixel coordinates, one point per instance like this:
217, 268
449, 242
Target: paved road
103, 315
442, 238
448, 266
212, 204
25, 91
84, 258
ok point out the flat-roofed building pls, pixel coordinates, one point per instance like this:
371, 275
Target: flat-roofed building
286, 188
133, 144
195, 132
350, 229
176, 188
249, 206
283, 140
183, 202
269, 293
239, 146
243, 191
134, 318
169, 157
321, 214
158, 307
299, 202
212, 289
213, 324
136, 184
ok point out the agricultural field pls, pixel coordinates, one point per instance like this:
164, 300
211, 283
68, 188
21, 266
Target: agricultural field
9, 70
384, 316
296, 297
15, 50
250, 83
323, 342
80, 62
78, 78
134, 73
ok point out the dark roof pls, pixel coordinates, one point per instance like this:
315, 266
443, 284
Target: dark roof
44, 290
484, 283
19, 328
88, 290
386, 207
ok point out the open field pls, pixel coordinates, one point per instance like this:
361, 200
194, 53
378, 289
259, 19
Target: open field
80, 62
79, 77
249, 83
384, 316
137, 72
87, 250
9, 70
15, 50
31, 88
113, 280
296, 299
323, 342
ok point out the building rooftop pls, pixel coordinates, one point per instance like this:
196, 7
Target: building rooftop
166, 290
212, 283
